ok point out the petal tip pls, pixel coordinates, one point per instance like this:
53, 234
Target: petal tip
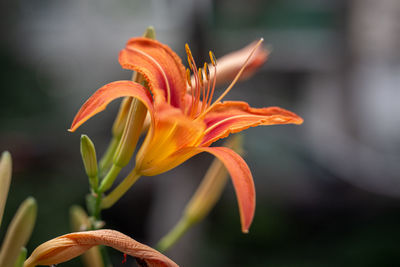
300, 120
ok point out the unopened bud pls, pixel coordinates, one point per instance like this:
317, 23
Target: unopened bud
18, 232
132, 132
89, 158
79, 219
120, 120
5, 179
21, 258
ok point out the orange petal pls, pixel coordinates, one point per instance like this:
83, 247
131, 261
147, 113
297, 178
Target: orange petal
67, 247
172, 132
160, 66
242, 182
102, 97
234, 116
237, 168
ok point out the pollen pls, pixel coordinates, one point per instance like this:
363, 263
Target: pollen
212, 58
188, 52
206, 71
190, 62
200, 73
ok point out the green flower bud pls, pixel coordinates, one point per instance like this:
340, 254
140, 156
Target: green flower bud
88, 153
5, 179
18, 232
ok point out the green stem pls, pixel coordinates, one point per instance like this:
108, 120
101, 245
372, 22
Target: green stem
96, 214
106, 160
170, 239
21, 258
94, 182
120, 190
109, 179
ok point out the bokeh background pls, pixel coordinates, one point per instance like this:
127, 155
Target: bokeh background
327, 191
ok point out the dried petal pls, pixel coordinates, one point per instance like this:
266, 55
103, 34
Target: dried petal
66, 247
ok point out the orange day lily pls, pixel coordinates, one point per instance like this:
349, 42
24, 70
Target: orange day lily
69, 246
184, 122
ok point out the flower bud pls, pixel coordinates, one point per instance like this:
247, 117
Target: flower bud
21, 258
88, 153
5, 179
133, 129
18, 232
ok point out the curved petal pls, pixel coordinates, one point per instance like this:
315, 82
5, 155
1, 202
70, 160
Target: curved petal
102, 97
160, 66
234, 116
238, 170
67, 247
242, 182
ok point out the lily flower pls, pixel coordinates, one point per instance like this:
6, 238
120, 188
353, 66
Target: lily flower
183, 122
69, 246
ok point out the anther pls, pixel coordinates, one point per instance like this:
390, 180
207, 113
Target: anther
200, 73
206, 71
190, 62
188, 52
212, 58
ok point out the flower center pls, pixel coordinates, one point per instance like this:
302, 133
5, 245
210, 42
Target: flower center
201, 89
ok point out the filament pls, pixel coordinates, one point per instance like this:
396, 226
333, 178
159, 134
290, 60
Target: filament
234, 80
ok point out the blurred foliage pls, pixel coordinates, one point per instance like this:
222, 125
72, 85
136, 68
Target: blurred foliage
273, 14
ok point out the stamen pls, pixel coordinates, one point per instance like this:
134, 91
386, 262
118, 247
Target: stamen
203, 88
190, 63
198, 93
205, 97
188, 78
206, 71
234, 80
193, 67
188, 52
212, 58
207, 74
200, 73
213, 86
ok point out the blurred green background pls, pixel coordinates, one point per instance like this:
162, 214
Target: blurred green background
327, 191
